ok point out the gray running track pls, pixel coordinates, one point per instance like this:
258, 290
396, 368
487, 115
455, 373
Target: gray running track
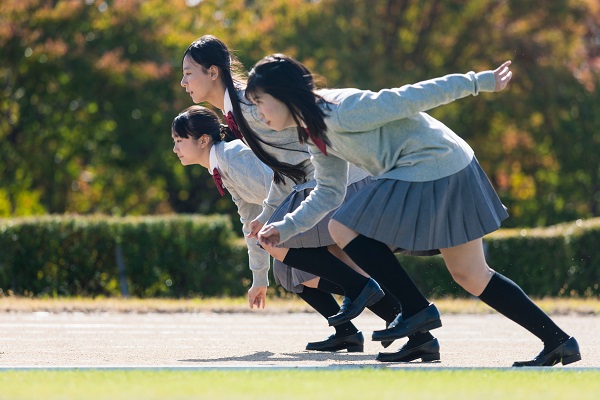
257, 340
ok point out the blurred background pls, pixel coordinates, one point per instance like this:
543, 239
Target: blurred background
88, 90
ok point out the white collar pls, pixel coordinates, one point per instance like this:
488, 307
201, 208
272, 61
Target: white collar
212, 159
227, 106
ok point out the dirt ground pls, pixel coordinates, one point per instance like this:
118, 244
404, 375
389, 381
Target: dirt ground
257, 340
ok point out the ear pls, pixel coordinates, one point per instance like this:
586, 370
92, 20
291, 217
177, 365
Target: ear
213, 72
204, 141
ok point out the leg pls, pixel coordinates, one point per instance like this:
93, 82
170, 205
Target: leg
363, 291
378, 260
469, 269
313, 283
339, 253
276, 252
346, 335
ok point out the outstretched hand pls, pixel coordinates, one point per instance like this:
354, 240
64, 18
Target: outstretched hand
257, 296
503, 75
268, 236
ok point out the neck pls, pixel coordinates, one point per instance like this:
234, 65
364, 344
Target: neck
204, 159
218, 98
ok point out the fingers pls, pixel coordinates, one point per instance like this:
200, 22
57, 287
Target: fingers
505, 64
254, 229
503, 75
268, 236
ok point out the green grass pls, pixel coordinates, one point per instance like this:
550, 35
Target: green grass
313, 384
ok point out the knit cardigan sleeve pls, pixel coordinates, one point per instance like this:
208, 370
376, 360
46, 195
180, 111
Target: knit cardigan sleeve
250, 178
364, 110
331, 174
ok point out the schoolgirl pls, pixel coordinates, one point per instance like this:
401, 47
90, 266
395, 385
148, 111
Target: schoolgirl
211, 73
429, 191
199, 139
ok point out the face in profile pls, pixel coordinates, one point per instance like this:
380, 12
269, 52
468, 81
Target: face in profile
197, 81
187, 149
273, 112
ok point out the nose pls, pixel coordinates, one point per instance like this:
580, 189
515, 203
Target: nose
183, 82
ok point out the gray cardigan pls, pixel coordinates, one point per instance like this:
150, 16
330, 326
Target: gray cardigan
284, 146
248, 180
387, 134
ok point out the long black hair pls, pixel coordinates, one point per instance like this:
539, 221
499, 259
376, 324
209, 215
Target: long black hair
208, 51
196, 121
290, 82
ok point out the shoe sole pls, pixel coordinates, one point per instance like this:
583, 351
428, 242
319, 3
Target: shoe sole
423, 329
424, 358
350, 349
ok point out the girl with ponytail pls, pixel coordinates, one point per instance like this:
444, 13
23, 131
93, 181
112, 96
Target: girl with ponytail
429, 191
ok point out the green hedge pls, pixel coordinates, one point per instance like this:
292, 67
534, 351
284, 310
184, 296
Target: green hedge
561, 260
184, 256
161, 256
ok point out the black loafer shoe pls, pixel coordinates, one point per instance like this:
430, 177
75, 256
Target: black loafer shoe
387, 343
428, 351
370, 294
423, 321
566, 353
354, 343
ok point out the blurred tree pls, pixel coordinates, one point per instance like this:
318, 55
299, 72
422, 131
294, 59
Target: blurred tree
90, 88
87, 105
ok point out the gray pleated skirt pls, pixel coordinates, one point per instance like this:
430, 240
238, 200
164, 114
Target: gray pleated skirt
424, 216
318, 235
289, 278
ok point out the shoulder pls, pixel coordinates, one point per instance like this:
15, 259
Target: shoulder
337, 96
231, 149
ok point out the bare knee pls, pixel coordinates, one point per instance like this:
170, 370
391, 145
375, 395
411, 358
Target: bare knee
473, 280
278, 253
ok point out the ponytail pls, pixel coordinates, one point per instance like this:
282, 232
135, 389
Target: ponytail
280, 169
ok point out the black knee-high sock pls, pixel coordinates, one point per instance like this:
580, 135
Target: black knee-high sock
325, 285
506, 297
376, 259
321, 262
326, 305
387, 308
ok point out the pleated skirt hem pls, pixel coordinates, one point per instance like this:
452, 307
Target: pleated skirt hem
422, 217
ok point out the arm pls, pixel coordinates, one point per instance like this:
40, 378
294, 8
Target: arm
397, 103
252, 178
258, 259
331, 174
